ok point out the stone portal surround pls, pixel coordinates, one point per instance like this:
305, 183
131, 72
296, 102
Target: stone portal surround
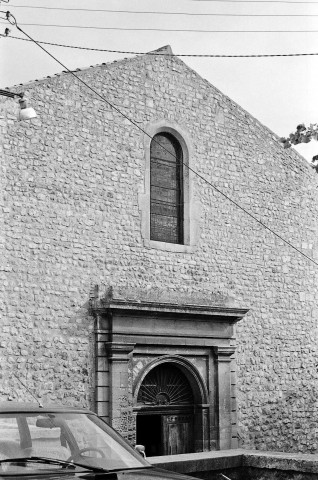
129, 330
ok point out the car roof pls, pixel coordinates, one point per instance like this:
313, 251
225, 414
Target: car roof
16, 407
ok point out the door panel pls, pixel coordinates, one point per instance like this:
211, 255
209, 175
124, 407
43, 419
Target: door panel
177, 434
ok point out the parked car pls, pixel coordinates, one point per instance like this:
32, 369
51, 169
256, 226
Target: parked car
46, 442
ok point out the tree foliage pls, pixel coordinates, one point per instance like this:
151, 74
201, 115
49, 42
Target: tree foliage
303, 134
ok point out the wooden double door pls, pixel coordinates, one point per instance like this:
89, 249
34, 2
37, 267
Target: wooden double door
177, 434
165, 404
168, 433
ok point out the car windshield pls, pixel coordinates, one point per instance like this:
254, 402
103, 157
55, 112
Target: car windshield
78, 438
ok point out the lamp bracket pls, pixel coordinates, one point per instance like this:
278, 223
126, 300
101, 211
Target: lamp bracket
6, 93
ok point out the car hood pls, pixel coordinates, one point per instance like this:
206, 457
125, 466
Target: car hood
150, 473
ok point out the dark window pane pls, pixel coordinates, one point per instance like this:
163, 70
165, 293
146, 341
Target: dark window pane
163, 148
163, 174
166, 206
164, 209
164, 229
164, 195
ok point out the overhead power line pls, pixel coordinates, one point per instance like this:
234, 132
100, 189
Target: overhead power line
256, 1
164, 53
133, 122
190, 14
215, 1
135, 29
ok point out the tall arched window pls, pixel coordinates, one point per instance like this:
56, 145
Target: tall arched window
166, 189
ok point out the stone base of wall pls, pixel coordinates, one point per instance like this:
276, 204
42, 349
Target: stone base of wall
250, 473
242, 465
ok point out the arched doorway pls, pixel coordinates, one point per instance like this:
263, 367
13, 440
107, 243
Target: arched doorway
165, 406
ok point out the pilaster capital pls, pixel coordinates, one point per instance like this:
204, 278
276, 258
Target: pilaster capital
223, 354
118, 351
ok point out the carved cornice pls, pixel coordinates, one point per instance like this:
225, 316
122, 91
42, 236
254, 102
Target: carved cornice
236, 313
160, 303
219, 313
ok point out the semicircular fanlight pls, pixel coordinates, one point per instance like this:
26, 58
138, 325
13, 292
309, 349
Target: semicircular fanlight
165, 385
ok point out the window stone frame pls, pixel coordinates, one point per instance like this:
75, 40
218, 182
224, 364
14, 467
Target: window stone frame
191, 209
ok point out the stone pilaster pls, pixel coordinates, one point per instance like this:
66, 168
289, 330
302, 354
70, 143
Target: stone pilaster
224, 404
120, 394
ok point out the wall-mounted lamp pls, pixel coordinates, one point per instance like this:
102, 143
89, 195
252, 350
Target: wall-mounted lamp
26, 113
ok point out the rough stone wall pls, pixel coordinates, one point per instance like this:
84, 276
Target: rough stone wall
71, 180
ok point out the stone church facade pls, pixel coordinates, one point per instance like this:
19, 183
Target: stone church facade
131, 280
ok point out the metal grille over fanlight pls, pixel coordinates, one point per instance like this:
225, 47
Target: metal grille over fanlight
165, 385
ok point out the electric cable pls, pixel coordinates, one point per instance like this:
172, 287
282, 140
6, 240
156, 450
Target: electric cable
226, 1
164, 54
256, 1
190, 14
183, 30
133, 122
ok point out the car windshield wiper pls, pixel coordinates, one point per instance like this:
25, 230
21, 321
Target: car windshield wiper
51, 461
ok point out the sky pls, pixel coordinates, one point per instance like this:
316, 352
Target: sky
281, 92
